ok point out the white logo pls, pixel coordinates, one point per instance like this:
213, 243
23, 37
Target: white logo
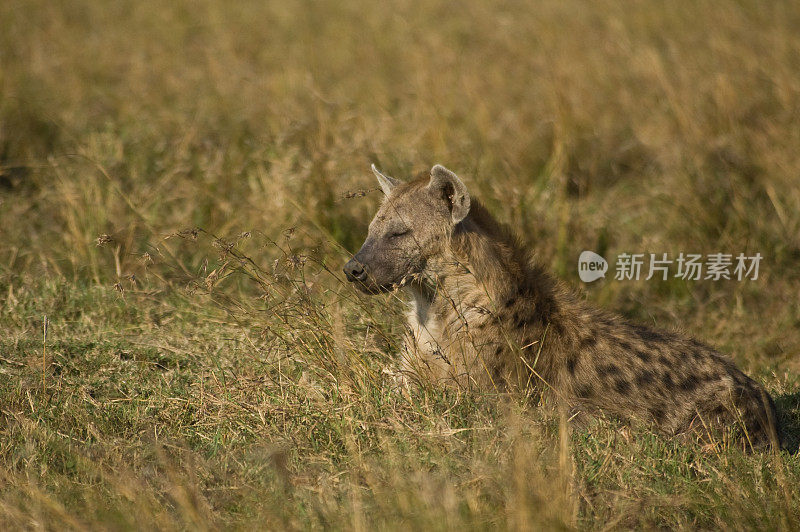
591, 266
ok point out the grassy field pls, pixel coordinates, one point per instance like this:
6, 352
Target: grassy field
180, 183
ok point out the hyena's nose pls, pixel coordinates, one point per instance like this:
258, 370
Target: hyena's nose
355, 271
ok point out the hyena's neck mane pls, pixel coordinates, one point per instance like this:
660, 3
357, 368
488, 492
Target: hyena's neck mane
487, 265
496, 258
489, 249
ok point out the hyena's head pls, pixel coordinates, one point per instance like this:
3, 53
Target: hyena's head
412, 227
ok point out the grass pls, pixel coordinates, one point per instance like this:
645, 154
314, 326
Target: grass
180, 184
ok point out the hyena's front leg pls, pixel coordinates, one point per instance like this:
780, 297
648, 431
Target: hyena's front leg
401, 374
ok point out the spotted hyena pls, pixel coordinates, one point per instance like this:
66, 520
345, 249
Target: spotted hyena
484, 315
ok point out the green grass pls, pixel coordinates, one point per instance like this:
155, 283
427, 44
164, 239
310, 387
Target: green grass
180, 184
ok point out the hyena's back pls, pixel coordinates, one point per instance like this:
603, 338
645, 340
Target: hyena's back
677, 383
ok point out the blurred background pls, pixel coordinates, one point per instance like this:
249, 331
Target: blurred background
615, 127
140, 138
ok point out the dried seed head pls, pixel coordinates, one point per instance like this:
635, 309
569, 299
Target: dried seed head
103, 239
295, 261
189, 233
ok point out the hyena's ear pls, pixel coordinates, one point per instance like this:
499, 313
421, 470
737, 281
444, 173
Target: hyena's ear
387, 183
447, 185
